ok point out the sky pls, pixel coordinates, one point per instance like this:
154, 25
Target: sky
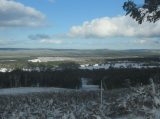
73, 24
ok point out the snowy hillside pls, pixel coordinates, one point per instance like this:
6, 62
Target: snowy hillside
52, 103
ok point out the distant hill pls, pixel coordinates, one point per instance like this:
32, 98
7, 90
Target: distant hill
26, 52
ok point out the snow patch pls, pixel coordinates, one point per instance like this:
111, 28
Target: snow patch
34, 60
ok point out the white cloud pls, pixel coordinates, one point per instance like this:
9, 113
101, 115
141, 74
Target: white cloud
15, 14
50, 41
120, 26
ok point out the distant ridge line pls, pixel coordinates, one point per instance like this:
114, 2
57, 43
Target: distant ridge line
131, 50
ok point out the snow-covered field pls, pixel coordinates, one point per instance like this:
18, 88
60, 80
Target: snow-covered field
53, 103
53, 59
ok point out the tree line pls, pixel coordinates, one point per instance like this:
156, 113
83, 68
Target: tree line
71, 78
19, 78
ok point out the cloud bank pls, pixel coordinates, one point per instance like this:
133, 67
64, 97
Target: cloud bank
120, 26
15, 14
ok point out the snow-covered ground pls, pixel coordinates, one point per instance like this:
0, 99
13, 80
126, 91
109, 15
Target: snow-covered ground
5, 70
117, 65
49, 59
27, 90
35, 60
132, 103
7, 60
90, 87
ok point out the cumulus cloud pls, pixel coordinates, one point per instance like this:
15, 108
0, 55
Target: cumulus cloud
15, 14
120, 26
